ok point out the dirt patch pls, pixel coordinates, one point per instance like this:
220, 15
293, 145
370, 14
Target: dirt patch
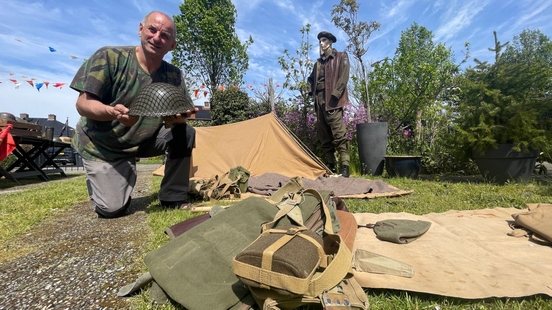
77, 260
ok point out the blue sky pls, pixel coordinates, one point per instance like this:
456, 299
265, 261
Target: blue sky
75, 29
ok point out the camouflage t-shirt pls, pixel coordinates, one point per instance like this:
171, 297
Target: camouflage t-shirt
114, 75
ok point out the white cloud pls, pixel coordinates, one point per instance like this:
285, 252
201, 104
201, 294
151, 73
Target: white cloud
458, 17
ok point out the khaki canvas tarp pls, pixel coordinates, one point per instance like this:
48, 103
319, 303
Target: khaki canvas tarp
261, 145
465, 254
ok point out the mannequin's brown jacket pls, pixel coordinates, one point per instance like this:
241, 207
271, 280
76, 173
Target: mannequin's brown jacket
334, 78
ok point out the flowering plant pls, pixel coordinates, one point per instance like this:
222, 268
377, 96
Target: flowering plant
403, 142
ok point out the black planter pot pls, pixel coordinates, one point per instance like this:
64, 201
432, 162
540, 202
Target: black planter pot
403, 166
372, 145
504, 164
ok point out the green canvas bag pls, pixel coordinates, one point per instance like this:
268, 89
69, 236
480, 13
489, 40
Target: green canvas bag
195, 268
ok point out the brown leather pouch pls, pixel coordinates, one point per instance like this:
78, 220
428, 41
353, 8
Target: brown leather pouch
349, 227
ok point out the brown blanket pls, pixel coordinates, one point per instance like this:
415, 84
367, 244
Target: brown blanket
268, 183
465, 254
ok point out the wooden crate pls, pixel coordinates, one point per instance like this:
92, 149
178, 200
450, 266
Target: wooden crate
21, 128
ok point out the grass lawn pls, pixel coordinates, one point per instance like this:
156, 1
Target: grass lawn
431, 194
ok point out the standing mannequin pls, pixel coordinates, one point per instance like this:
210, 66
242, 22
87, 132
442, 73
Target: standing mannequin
327, 84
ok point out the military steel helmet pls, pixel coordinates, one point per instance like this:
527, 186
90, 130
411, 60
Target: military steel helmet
160, 99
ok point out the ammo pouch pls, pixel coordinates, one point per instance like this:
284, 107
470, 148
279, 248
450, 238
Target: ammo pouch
230, 185
240, 176
290, 266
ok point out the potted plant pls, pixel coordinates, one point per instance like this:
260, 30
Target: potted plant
408, 91
403, 157
502, 121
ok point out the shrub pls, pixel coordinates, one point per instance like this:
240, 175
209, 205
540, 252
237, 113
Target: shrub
229, 106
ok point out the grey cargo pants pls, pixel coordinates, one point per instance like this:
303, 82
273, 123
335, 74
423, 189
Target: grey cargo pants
111, 183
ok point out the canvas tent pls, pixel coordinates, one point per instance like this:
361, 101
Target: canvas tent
261, 145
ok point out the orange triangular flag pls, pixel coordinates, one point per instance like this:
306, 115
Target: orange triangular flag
204, 94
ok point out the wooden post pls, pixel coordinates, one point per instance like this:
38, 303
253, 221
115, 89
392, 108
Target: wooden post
271, 94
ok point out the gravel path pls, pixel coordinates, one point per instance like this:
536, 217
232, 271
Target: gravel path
79, 261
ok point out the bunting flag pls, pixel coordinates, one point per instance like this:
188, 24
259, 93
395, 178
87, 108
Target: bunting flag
38, 86
51, 49
205, 94
7, 144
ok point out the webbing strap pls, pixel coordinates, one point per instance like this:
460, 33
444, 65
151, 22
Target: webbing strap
287, 206
335, 272
328, 228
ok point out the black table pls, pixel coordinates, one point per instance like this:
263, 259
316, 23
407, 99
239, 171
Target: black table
26, 162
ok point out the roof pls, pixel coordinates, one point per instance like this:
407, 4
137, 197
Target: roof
59, 127
204, 114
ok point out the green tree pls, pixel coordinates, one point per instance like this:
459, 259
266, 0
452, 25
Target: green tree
410, 87
208, 47
345, 16
297, 69
508, 101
